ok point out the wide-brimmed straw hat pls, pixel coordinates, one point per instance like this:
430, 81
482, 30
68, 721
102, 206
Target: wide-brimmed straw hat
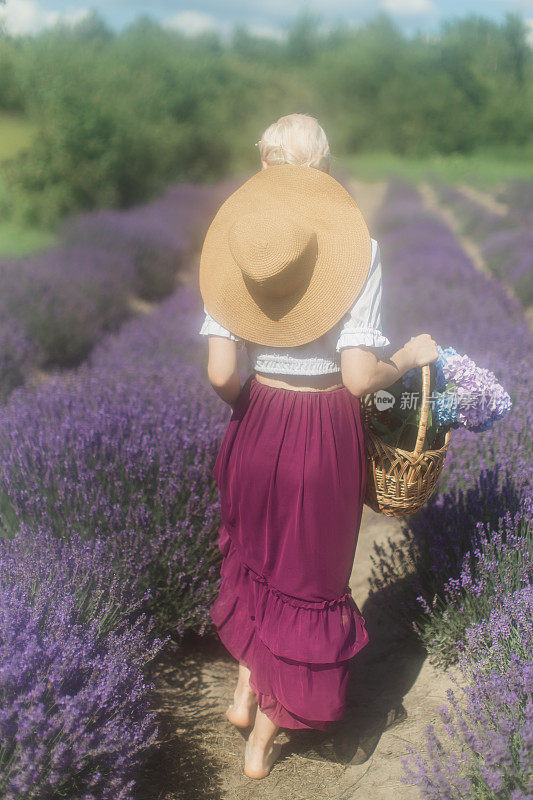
285, 257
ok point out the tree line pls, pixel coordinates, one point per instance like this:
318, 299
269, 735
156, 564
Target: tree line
121, 115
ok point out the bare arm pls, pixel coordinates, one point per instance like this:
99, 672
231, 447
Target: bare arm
222, 368
363, 371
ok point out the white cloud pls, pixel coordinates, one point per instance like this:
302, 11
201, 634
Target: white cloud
22, 17
519, 5
408, 8
191, 23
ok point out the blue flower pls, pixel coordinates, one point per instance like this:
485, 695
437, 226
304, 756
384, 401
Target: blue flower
445, 409
444, 354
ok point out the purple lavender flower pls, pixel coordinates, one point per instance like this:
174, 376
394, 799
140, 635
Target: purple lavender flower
482, 476
76, 717
461, 557
56, 305
125, 445
505, 239
106, 488
488, 749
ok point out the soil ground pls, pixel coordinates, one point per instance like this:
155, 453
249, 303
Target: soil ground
393, 694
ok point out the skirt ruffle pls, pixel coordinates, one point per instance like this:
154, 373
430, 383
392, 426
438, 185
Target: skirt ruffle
297, 650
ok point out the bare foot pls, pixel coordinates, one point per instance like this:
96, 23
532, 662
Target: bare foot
259, 759
244, 707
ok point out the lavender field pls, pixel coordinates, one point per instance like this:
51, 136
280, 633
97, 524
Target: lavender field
109, 513
468, 554
505, 236
56, 305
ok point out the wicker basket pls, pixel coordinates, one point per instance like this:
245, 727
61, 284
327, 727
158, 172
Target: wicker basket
399, 482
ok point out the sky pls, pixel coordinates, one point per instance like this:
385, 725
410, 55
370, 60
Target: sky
263, 17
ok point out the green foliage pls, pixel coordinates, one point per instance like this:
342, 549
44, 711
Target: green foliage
119, 116
398, 424
16, 133
485, 168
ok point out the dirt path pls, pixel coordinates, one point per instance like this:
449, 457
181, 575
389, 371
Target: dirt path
484, 199
471, 248
369, 197
393, 694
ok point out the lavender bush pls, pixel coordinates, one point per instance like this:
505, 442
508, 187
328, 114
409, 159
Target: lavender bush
59, 303
500, 564
75, 718
19, 356
108, 497
157, 237
475, 219
460, 577
485, 751
508, 254
124, 447
485, 474
66, 298
109, 516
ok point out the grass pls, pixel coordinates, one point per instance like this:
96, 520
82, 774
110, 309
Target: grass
484, 169
16, 134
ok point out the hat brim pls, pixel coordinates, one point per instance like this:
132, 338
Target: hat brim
340, 271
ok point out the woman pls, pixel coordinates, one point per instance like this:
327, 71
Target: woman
289, 271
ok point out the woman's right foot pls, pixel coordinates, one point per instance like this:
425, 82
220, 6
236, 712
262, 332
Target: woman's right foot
259, 758
242, 711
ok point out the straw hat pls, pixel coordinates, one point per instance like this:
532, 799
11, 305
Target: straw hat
285, 257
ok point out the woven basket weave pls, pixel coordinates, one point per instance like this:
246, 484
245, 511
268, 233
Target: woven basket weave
399, 482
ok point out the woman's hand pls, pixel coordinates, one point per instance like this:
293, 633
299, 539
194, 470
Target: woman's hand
421, 350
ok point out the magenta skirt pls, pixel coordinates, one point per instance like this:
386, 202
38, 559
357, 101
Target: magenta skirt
291, 476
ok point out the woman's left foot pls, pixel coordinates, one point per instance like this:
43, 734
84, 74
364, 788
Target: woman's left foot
242, 711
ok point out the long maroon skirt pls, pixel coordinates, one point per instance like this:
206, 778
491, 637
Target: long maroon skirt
291, 476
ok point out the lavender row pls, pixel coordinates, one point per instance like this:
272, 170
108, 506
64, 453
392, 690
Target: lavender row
518, 195
114, 458
485, 751
486, 748
428, 278
470, 547
76, 717
506, 241
124, 446
55, 305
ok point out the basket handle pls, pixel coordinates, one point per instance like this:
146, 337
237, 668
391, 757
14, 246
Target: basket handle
424, 411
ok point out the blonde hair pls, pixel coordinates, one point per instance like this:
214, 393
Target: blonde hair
295, 139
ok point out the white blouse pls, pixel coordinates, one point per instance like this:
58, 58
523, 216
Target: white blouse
361, 325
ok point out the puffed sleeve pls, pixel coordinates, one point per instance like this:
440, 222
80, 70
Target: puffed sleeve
362, 323
212, 328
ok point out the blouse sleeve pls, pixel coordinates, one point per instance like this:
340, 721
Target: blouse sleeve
362, 323
212, 328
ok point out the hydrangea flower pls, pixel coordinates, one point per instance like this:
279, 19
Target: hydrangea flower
464, 394
481, 399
